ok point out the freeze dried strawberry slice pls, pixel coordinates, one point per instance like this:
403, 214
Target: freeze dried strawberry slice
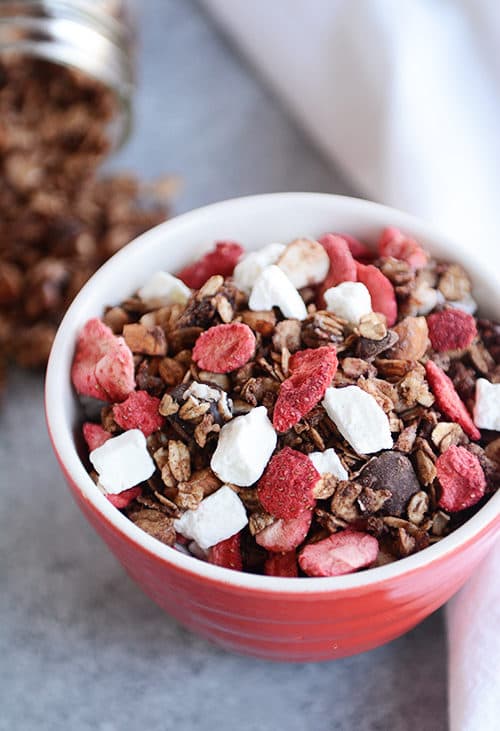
358, 249
224, 348
123, 499
282, 564
381, 291
342, 264
285, 535
451, 330
340, 553
103, 366
139, 411
448, 401
285, 489
94, 435
220, 260
393, 242
461, 478
227, 553
312, 371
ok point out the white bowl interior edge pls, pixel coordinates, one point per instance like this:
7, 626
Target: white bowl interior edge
254, 221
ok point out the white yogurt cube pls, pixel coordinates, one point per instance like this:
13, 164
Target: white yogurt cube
487, 405
164, 289
426, 298
329, 462
272, 288
217, 517
122, 462
201, 392
349, 300
251, 265
244, 448
359, 418
305, 262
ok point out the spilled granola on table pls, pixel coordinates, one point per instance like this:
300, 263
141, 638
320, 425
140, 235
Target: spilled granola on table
302, 410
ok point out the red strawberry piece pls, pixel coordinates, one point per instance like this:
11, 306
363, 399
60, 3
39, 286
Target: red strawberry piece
103, 366
342, 264
224, 348
221, 260
448, 401
451, 330
139, 411
394, 243
282, 564
285, 535
123, 499
381, 291
340, 553
461, 478
227, 553
285, 489
358, 249
94, 435
312, 371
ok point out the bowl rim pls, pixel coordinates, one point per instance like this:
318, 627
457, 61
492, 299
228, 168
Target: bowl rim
62, 440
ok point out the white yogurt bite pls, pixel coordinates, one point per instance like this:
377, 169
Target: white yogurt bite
217, 517
163, 289
328, 462
252, 264
305, 262
272, 288
244, 448
349, 300
487, 405
122, 462
359, 418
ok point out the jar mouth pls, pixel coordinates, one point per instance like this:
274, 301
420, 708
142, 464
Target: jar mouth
79, 35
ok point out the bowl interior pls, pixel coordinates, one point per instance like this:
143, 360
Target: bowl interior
253, 221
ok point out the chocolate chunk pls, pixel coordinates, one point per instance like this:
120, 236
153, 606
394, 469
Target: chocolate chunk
370, 349
391, 471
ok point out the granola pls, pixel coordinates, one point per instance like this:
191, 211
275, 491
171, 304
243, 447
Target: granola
342, 427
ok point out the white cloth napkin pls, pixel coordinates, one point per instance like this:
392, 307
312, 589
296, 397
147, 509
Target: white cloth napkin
405, 96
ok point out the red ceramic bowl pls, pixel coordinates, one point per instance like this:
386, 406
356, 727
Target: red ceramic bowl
269, 617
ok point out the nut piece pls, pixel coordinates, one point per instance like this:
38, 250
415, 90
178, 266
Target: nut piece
440, 523
426, 469
168, 406
262, 322
373, 326
413, 340
258, 521
189, 495
417, 507
343, 504
325, 486
179, 460
171, 371
454, 284
447, 433
146, 340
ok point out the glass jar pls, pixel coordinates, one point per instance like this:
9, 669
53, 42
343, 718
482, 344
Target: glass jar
92, 36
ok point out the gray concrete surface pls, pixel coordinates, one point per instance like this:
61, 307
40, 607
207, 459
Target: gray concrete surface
80, 647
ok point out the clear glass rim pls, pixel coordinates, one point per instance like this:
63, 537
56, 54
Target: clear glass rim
76, 35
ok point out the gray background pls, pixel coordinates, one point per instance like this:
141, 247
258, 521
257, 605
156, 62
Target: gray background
80, 646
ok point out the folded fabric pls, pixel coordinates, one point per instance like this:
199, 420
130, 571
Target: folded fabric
404, 96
